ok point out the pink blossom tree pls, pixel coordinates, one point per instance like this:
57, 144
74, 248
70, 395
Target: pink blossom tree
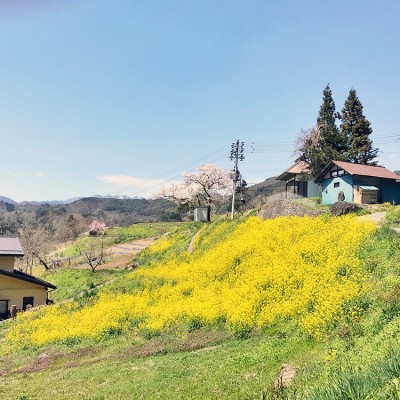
96, 227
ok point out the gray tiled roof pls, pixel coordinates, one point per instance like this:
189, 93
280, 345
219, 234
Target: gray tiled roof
10, 247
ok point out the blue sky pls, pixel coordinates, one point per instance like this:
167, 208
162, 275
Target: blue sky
119, 97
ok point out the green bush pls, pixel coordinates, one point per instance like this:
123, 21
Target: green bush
393, 215
195, 324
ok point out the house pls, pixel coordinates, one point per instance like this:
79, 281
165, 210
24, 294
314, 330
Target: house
360, 184
298, 181
18, 288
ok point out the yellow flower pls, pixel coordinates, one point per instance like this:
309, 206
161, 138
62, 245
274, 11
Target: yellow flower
304, 269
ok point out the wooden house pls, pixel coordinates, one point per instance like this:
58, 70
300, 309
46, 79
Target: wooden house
18, 288
358, 183
299, 181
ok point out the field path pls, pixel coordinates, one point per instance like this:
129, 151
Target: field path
377, 218
124, 253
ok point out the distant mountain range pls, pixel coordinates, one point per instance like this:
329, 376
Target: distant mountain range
68, 218
61, 202
7, 200
121, 210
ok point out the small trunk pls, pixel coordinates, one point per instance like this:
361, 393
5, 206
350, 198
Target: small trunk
42, 261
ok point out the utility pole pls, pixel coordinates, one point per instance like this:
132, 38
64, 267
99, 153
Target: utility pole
237, 154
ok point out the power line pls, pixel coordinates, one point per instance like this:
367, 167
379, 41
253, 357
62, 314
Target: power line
252, 147
178, 175
176, 172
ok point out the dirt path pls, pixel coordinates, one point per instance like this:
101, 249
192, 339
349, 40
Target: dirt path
123, 253
132, 248
377, 218
191, 244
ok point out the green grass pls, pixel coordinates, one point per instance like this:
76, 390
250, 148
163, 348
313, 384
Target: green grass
379, 381
121, 368
359, 359
143, 231
367, 361
181, 238
393, 215
76, 248
120, 235
72, 281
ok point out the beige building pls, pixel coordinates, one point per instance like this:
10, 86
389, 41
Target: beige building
16, 287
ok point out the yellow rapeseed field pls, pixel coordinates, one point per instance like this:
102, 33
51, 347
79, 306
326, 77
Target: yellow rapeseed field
303, 269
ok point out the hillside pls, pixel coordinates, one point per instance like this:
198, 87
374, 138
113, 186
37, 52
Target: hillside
64, 220
7, 200
61, 218
318, 293
268, 186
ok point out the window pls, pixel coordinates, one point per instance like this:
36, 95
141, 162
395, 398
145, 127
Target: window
337, 172
3, 306
26, 301
336, 184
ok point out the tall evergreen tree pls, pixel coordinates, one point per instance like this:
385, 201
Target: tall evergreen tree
327, 112
333, 142
325, 142
356, 128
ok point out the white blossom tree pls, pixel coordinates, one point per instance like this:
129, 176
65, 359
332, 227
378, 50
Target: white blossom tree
208, 185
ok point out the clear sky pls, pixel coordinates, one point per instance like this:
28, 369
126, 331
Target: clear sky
115, 97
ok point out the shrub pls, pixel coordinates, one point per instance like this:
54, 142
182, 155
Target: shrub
393, 215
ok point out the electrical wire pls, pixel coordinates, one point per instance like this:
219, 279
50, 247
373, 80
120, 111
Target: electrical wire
176, 172
220, 153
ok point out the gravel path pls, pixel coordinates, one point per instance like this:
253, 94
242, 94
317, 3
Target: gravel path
377, 218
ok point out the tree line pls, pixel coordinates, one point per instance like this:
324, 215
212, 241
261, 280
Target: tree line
341, 136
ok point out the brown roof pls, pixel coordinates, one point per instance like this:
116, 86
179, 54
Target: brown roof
300, 167
360, 169
10, 247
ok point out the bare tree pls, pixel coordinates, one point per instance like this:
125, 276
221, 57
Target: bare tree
94, 252
36, 242
69, 228
24, 264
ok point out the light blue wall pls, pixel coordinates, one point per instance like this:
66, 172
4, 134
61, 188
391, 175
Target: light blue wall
313, 190
330, 193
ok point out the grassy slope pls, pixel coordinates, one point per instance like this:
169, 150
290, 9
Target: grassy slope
234, 369
120, 235
225, 367
362, 358
71, 281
